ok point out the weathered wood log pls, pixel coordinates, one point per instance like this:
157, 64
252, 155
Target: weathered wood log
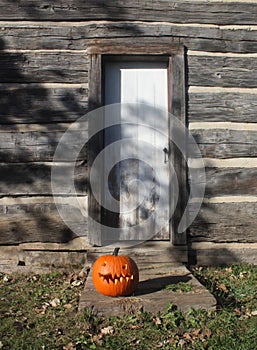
214, 254
71, 67
226, 143
35, 103
225, 222
31, 103
40, 222
176, 11
222, 107
231, 181
222, 71
38, 67
65, 36
39, 145
35, 178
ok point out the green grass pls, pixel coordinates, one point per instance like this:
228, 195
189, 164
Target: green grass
180, 287
233, 287
40, 312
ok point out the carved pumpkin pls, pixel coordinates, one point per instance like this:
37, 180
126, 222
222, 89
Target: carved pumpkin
115, 275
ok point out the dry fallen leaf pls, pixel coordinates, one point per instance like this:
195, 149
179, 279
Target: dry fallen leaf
157, 320
254, 313
107, 330
237, 311
97, 338
187, 336
69, 346
196, 332
55, 302
229, 269
6, 278
181, 342
207, 333
222, 287
77, 283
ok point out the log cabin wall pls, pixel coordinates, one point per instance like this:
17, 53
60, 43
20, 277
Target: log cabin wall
44, 88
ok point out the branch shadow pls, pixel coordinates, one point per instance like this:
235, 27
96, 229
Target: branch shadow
33, 117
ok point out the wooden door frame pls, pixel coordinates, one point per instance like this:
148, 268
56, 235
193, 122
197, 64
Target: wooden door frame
175, 53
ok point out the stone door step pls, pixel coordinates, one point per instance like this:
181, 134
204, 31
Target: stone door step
153, 294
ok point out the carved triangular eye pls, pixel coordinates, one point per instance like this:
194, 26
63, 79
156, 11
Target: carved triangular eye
105, 263
125, 266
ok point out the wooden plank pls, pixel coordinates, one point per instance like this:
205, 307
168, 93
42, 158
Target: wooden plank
225, 143
38, 145
38, 67
176, 11
177, 108
222, 71
35, 103
95, 145
35, 178
231, 181
37, 222
119, 47
74, 36
222, 106
225, 222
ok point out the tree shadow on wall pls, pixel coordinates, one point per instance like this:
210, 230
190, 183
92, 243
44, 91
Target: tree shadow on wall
35, 112
33, 118
78, 10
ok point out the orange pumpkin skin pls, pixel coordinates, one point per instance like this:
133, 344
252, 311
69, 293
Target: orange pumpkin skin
115, 275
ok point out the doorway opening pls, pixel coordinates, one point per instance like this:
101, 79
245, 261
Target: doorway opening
155, 77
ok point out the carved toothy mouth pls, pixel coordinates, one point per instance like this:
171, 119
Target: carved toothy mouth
116, 278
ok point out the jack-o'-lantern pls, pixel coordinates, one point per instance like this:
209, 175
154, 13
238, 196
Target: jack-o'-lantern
115, 275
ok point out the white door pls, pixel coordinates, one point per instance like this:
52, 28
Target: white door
134, 182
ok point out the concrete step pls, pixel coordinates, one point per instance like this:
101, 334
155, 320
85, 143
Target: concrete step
152, 294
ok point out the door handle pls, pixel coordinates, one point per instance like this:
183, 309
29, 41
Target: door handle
166, 154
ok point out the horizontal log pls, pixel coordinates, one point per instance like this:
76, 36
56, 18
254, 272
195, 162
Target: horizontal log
65, 36
214, 254
222, 71
231, 181
225, 222
176, 11
222, 106
34, 103
40, 222
41, 67
72, 67
40, 145
225, 143
35, 178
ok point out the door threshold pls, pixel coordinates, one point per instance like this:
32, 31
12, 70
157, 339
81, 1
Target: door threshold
153, 251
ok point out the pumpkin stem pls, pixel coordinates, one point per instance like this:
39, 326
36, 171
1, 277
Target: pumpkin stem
116, 251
